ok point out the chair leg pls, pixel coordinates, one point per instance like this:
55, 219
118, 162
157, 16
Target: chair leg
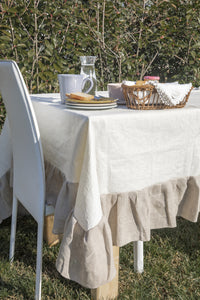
38, 284
13, 228
138, 256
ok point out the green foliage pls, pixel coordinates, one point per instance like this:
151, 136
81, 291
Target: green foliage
130, 39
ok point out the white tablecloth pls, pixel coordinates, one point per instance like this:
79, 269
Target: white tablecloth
117, 150
142, 165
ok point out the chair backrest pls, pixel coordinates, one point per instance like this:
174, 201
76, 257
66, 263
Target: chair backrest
28, 165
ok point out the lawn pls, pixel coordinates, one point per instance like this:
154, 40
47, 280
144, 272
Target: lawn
172, 266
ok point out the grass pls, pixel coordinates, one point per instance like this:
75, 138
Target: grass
172, 266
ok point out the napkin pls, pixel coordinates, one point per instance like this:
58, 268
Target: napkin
127, 82
172, 93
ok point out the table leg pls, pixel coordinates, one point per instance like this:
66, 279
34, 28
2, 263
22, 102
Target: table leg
138, 256
109, 290
49, 237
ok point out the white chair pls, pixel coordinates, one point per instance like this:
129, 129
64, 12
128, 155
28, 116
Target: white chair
28, 165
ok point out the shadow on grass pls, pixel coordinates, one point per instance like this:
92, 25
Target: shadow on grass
185, 237
18, 291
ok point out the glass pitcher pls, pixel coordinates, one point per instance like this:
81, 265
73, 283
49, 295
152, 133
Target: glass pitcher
88, 69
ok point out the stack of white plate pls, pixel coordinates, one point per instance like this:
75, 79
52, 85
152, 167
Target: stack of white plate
97, 103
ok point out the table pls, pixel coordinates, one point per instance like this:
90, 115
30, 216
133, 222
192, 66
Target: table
112, 175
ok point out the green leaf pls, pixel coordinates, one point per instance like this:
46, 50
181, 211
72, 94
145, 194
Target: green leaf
31, 53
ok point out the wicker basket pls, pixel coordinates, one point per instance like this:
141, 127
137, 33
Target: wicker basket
146, 97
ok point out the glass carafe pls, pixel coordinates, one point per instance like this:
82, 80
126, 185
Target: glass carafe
88, 69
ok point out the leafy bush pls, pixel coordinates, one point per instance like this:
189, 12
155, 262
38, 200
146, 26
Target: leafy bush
130, 39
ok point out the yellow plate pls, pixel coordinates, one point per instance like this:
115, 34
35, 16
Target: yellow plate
99, 101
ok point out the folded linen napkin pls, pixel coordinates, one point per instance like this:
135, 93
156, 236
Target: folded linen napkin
172, 93
127, 82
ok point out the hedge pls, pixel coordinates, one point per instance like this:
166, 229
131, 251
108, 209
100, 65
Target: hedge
130, 39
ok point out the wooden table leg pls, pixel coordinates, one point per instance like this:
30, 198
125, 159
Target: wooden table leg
109, 290
49, 237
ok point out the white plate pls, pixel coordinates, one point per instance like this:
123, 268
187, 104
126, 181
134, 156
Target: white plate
90, 104
90, 107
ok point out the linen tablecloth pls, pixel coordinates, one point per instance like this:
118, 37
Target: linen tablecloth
114, 175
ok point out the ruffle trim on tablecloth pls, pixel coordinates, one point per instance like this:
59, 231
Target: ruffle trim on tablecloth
87, 256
